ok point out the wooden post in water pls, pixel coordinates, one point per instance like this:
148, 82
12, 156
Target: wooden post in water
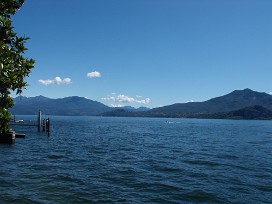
39, 121
48, 126
43, 125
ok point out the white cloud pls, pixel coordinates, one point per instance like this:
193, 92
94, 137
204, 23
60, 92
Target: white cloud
190, 101
126, 99
56, 80
270, 93
66, 81
94, 74
117, 105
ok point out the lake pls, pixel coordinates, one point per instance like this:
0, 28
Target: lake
137, 160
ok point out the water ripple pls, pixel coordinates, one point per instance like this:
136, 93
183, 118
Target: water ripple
137, 160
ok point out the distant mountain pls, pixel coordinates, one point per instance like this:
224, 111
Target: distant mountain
248, 113
65, 106
120, 113
233, 101
239, 104
213, 108
142, 108
130, 108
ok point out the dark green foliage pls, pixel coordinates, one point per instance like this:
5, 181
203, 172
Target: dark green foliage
14, 66
250, 113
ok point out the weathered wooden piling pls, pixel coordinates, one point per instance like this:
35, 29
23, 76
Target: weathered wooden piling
39, 121
48, 126
41, 124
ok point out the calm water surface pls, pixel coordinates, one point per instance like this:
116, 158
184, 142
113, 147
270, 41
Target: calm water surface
137, 160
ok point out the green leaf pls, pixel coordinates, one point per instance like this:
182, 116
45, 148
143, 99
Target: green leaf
13, 66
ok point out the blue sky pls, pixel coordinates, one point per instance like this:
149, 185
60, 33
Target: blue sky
147, 52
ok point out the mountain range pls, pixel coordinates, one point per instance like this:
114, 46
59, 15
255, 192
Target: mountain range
73, 106
239, 104
235, 100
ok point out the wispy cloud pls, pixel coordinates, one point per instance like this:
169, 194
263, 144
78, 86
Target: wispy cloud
56, 80
270, 93
125, 99
94, 74
117, 105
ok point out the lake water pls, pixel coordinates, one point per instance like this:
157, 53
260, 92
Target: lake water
137, 160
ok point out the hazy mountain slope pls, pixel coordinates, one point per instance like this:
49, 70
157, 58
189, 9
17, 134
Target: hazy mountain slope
65, 106
233, 101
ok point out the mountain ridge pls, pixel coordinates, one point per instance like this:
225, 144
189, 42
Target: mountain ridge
214, 107
233, 101
72, 105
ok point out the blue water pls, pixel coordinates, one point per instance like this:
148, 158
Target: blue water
137, 160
